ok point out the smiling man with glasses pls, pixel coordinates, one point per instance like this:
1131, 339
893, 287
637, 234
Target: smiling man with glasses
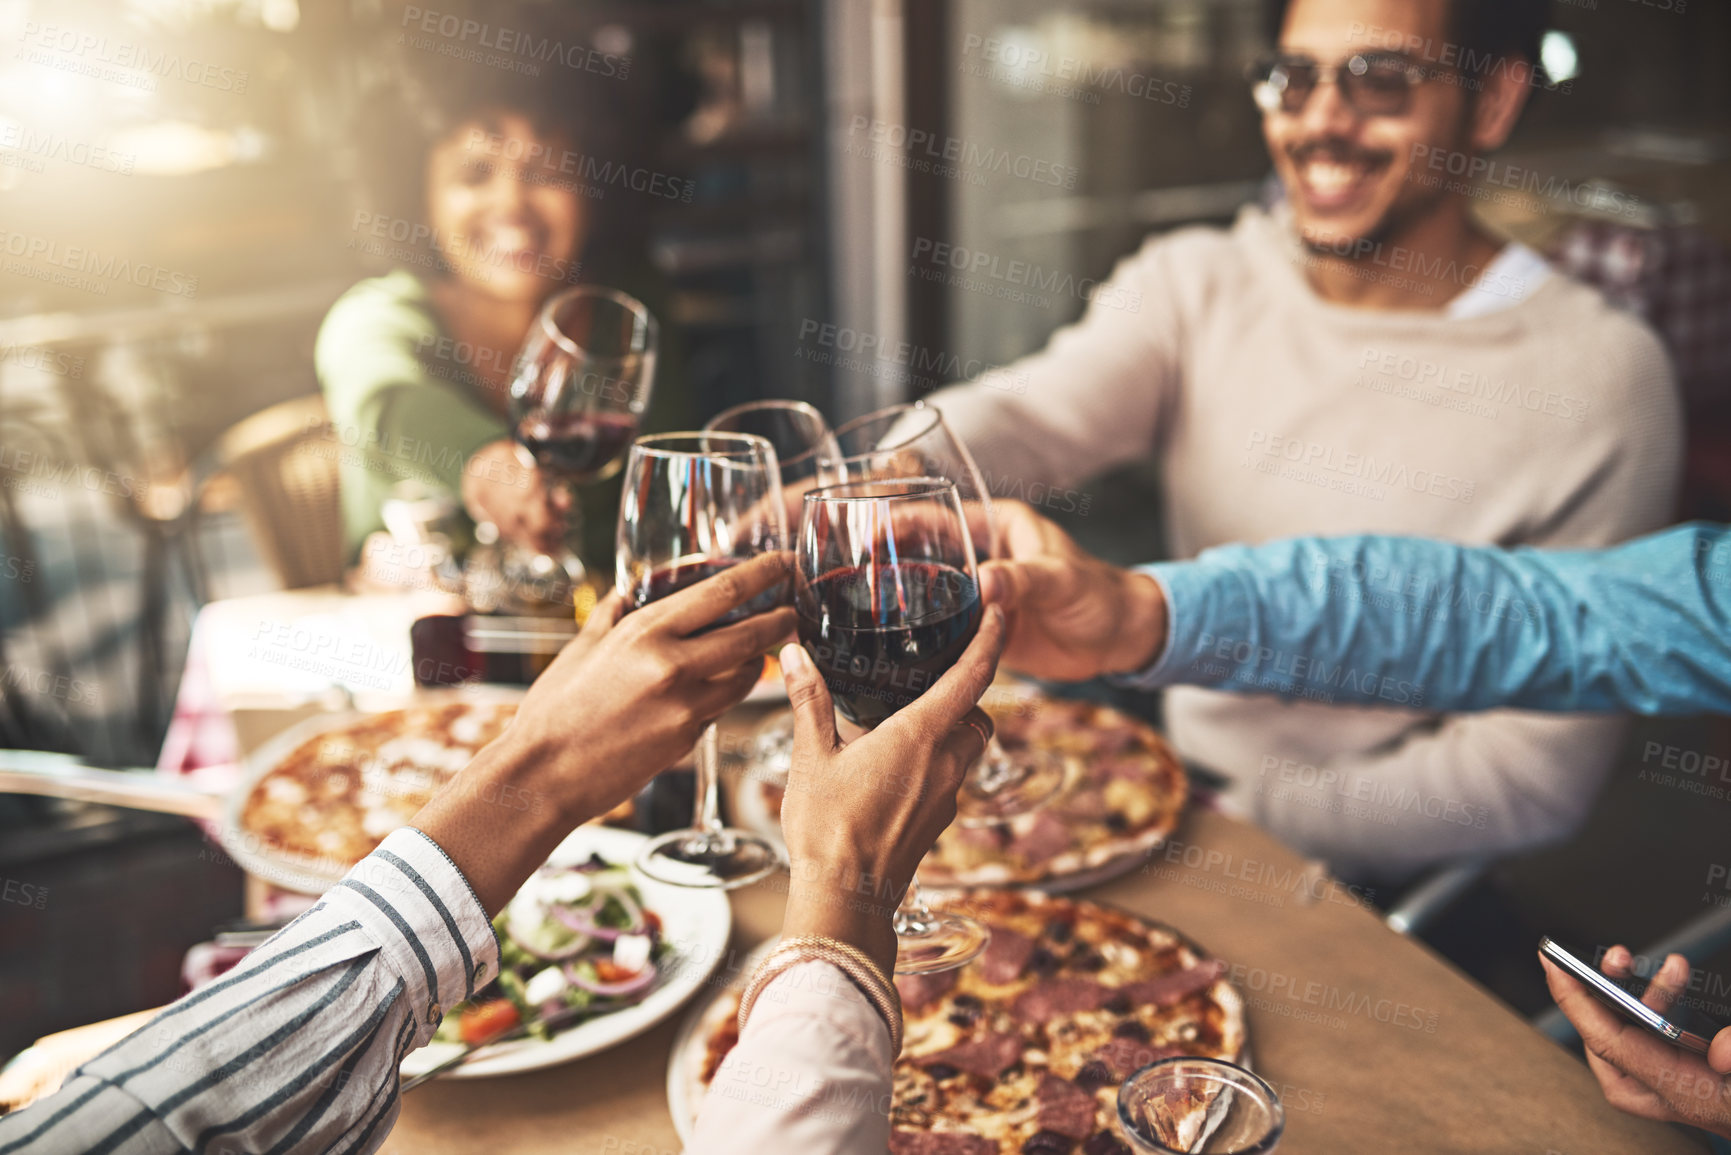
1365, 357
1353, 109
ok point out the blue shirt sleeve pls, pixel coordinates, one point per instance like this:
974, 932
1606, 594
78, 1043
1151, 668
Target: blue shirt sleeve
1643, 627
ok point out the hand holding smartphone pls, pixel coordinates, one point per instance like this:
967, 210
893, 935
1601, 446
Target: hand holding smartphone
1680, 1026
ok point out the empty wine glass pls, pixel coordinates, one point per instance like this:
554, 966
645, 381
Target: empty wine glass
579, 389
888, 598
694, 504
915, 440
1186, 1106
799, 433
801, 437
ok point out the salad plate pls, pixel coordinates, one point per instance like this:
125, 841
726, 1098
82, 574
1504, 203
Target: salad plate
586, 931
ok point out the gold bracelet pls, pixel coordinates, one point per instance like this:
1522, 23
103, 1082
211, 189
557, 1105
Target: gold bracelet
876, 990
851, 961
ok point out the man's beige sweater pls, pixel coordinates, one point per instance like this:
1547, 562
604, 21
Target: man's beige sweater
1272, 412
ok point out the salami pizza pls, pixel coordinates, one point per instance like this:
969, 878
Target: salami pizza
1024, 1049
1124, 791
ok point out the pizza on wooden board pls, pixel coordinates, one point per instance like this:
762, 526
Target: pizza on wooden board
1023, 1050
1123, 794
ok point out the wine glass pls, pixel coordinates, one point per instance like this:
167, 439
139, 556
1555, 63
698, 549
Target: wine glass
801, 438
913, 440
799, 433
888, 597
1244, 1115
578, 392
694, 504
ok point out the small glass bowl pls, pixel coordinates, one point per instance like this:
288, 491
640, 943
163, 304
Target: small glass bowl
1244, 1114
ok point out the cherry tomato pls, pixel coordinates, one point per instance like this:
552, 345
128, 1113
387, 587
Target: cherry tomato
487, 1019
609, 971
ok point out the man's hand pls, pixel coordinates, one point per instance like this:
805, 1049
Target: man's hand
500, 486
858, 816
1072, 616
1639, 1072
624, 700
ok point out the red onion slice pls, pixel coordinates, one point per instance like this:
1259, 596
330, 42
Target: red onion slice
583, 918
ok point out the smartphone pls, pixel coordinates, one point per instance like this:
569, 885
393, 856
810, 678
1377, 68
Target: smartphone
1680, 1026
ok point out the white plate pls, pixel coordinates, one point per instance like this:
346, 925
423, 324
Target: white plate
690, 1044
694, 923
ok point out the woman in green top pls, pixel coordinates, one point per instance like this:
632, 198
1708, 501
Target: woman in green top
473, 189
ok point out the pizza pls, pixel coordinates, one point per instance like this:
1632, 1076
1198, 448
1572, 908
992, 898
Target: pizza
1124, 791
337, 795
1024, 1049
1123, 794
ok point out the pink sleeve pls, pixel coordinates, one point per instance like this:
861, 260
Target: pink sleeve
811, 1073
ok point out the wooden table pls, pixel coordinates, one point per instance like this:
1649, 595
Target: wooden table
1375, 1044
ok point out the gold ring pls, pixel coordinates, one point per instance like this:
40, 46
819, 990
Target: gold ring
981, 729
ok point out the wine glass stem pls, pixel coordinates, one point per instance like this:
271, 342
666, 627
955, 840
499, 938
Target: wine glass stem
573, 510
913, 916
998, 771
706, 822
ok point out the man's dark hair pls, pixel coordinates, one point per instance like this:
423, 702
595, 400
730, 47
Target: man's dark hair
1487, 29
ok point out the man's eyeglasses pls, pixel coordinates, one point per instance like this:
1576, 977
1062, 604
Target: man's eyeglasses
1373, 84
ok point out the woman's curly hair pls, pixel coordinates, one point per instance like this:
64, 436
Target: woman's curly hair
420, 86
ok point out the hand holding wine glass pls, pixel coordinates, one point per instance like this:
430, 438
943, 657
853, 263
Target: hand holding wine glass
695, 506
888, 598
858, 816
579, 389
645, 684
908, 440
501, 488
1073, 616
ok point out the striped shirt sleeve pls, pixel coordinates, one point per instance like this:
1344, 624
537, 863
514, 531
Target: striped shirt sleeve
297, 1048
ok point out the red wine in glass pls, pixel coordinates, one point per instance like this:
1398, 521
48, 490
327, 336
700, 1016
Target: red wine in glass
579, 388
669, 579
576, 447
882, 634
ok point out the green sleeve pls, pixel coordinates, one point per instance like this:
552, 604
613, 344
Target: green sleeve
394, 416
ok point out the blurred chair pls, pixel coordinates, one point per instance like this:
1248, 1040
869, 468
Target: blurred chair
38, 636
283, 463
1421, 903
1677, 279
